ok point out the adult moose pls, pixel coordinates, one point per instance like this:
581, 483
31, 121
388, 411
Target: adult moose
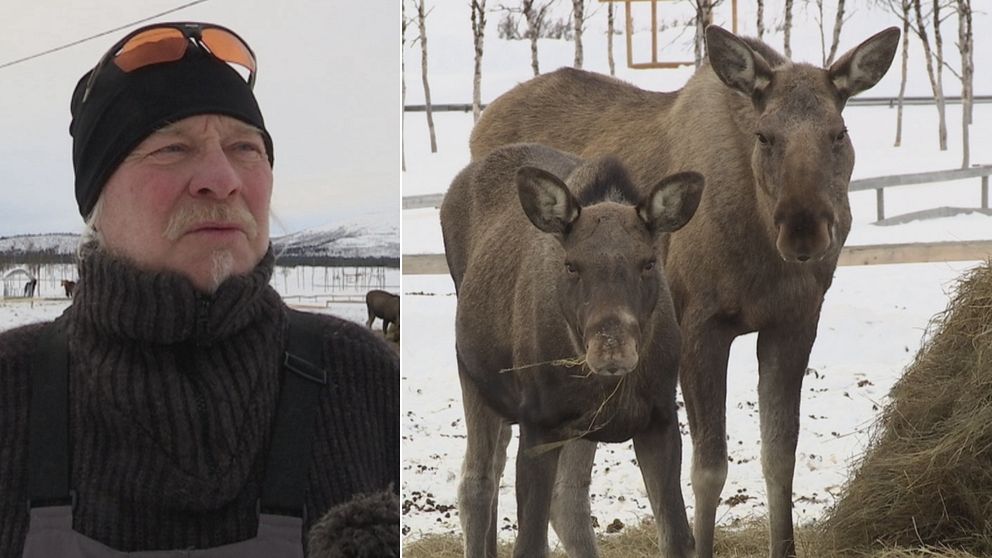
384, 305
760, 254
553, 258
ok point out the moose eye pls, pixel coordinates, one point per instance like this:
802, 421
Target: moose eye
762, 138
840, 136
648, 266
571, 268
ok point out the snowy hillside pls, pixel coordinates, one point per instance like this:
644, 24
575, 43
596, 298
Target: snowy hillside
372, 235
57, 243
368, 236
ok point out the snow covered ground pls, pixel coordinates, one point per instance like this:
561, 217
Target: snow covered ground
314, 289
872, 324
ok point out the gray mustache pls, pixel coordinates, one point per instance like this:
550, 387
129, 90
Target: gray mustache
189, 216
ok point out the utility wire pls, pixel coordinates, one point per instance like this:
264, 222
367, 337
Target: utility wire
90, 38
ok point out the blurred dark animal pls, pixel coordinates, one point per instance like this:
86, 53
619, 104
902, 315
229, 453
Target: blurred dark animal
768, 136
555, 258
383, 305
29, 288
69, 286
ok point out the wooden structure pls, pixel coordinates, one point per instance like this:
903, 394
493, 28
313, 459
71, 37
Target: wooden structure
655, 62
14, 282
434, 264
880, 183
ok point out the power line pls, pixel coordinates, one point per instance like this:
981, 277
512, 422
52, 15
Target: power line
98, 35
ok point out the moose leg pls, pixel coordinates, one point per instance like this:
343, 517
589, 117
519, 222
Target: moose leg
783, 354
703, 376
385, 326
368, 323
571, 514
536, 470
478, 490
659, 455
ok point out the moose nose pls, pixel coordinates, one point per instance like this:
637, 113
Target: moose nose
804, 236
612, 349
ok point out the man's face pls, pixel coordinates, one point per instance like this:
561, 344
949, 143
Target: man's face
192, 198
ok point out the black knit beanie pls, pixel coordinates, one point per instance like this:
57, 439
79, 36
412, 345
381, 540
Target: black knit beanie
125, 108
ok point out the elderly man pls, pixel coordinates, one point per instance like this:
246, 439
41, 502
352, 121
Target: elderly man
178, 403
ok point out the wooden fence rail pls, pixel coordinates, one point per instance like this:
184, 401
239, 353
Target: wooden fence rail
430, 264
881, 182
869, 254
878, 183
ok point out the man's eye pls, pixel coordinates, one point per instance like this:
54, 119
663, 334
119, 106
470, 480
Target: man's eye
249, 148
172, 148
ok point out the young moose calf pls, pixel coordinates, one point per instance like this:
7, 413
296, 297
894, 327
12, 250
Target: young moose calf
557, 260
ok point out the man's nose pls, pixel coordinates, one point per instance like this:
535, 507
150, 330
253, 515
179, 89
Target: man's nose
214, 175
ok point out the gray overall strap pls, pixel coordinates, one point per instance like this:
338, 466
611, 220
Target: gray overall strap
284, 487
48, 420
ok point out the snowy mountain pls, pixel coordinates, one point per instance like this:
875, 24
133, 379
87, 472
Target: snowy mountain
370, 238
52, 245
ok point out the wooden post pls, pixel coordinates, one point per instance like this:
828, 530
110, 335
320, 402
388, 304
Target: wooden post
630, 33
880, 203
654, 31
985, 192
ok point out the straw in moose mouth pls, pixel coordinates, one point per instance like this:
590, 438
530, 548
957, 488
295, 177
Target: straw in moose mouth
572, 362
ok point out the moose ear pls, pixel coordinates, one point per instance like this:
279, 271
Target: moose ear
861, 67
735, 63
672, 202
546, 200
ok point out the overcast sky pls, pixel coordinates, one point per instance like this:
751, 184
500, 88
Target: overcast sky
328, 85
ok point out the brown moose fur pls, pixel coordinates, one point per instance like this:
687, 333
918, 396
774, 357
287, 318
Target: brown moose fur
768, 136
384, 305
547, 267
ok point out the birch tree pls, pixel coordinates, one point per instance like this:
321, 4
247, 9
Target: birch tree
478, 36
787, 30
535, 12
828, 57
578, 19
761, 19
422, 13
838, 24
704, 17
904, 11
934, 75
609, 38
966, 47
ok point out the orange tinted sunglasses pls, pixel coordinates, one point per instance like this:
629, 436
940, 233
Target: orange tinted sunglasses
167, 42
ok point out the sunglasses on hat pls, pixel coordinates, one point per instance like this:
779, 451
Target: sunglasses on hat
168, 42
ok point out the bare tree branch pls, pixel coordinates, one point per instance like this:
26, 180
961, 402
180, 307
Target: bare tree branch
422, 14
578, 21
609, 35
788, 29
478, 36
838, 24
935, 83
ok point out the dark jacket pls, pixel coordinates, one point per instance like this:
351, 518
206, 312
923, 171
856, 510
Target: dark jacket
172, 395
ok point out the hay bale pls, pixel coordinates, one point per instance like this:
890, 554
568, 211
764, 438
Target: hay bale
926, 478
